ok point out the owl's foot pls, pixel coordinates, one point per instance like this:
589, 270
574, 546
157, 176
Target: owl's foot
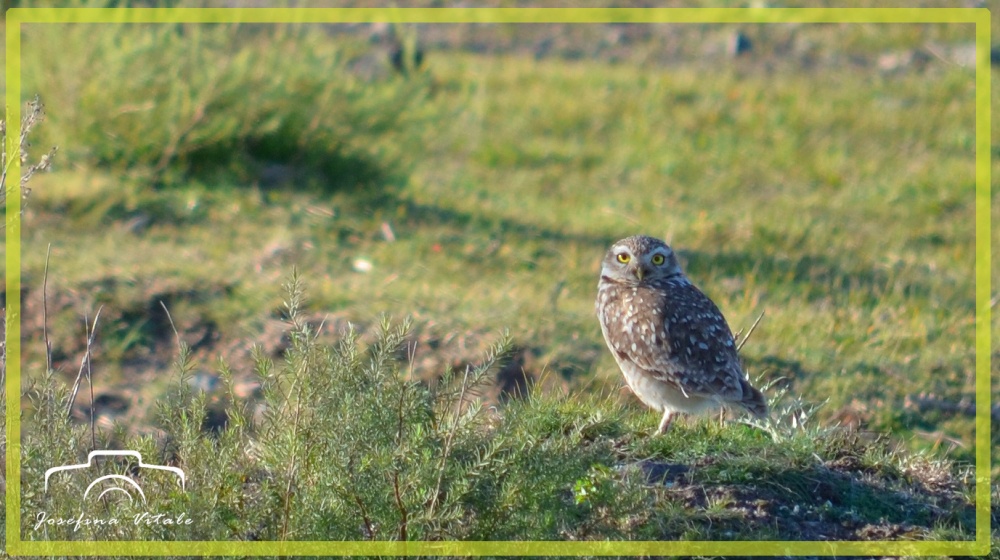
668, 417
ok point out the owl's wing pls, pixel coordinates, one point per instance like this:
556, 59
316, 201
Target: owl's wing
698, 354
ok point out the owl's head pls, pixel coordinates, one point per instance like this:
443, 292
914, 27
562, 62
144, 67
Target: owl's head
639, 259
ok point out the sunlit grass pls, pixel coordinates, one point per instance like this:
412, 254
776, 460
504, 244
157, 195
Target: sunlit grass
838, 204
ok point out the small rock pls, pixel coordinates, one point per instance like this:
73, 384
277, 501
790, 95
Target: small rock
362, 265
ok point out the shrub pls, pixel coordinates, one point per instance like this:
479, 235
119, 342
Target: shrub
346, 445
172, 99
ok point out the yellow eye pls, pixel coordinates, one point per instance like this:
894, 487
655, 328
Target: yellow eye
657, 259
624, 257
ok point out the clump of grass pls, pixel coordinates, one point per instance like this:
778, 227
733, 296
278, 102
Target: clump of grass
219, 100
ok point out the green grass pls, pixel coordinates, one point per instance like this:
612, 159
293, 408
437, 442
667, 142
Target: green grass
776, 193
838, 200
346, 444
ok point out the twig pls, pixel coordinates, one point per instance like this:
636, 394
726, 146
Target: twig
287, 513
369, 527
45, 311
294, 465
399, 504
447, 444
395, 474
750, 332
84, 364
940, 55
4, 161
90, 383
3, 355
939, 437
170, 319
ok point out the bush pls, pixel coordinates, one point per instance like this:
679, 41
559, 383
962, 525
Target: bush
346, 445
172, 99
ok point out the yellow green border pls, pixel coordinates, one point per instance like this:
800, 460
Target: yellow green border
979, 16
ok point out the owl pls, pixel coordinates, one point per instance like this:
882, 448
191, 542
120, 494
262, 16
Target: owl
671, 342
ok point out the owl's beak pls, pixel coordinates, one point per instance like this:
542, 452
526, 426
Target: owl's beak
640, 271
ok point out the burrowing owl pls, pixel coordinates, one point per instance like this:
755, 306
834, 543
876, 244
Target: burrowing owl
671, 342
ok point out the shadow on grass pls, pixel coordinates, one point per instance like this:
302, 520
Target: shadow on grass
420, 214
816, 276
273, 163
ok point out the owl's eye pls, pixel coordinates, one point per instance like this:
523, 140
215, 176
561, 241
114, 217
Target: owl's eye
624, 257
657, 259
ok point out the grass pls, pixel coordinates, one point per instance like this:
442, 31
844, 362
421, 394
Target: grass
346, 444
479, 194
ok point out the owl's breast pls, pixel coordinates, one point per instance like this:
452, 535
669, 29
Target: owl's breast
632, 321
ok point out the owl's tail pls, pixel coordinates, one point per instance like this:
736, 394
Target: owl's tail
753, 400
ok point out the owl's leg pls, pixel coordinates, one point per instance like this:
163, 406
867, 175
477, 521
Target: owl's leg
668, 417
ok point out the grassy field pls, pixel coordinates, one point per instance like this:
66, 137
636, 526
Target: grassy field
807, 180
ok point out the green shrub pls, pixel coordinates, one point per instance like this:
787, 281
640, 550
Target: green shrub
217, 98
346, 445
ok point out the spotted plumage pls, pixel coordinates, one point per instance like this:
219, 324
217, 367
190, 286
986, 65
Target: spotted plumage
671, 342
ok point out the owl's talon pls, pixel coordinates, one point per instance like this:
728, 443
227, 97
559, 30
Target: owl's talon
668, 419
